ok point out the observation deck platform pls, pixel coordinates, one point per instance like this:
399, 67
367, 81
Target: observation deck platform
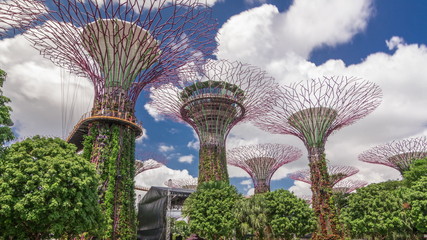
82, 127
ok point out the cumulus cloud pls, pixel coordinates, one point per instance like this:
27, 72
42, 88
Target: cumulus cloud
165, 148
45, 100
394, 42
186, 159
156, 177
308, 24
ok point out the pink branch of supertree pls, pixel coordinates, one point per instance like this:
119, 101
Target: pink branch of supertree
333, 102
148, 161
336, 173
126, 44
17, 15
262, 160
349, 185
186, 183
397, 154
241, 92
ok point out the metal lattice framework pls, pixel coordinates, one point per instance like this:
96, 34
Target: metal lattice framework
186, 183
121, 46
261, 161
349, 185
397, 154
148, 161
336, 174
212, 101
19, 14
312, 110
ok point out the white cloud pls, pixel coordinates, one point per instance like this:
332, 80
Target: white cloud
394, 42
186, 159
44, 101
153, 112
165, 148
251, 2
246, 182
157, 177
250, 192
308, 24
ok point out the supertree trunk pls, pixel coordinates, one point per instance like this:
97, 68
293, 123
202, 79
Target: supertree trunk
322, 201
111, 147
262, 187
212, 163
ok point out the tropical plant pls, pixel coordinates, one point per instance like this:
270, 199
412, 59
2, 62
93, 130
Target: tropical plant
210, 210
47, 191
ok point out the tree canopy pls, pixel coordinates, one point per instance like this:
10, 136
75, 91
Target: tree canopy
417, 169
378, 210
48, 191
210, 210
6, 133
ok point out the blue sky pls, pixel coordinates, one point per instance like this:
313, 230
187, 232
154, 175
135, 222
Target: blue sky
379, 40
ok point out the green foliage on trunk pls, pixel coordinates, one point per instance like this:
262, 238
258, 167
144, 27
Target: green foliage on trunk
47, 191
111, 148
210, 210
212, 163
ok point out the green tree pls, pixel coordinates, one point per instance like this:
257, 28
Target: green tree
210, 210
417, 169
418, 204
252, 216
6, 133
47, 191
379, 211
288, 215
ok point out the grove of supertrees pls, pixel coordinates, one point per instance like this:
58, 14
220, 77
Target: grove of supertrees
212, 100
312, 110
185, 183
336, 174
397, 154
261, 161
121, 47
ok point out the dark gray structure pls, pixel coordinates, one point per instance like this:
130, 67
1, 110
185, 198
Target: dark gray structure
152, 211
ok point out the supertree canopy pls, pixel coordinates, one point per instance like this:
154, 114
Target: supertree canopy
186, 183
348, 186
397, 154
312, 110
19, 14
261, 161
121, 47
336, 174
148, 161
212, 101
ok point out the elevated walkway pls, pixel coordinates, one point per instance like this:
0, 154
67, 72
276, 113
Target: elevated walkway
82, 127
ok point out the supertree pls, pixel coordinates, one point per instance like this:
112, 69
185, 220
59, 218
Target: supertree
311, 111
212, 101
121, 47
186, 183
19, 14
336, 174
261, 161
397, 154
348, 186
148, 161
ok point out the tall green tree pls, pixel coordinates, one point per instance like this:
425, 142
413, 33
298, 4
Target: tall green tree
210, 210
379, 210
417, 169
47, 191
6, 133
418, 204
288, 215
275, 215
